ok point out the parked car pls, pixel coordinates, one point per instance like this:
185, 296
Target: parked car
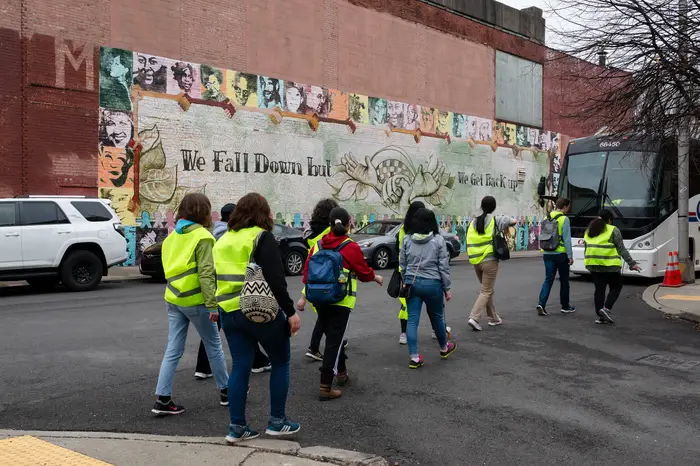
73, 240
290, 241
378, 241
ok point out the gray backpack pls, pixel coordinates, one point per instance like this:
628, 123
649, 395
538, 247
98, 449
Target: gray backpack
549, 233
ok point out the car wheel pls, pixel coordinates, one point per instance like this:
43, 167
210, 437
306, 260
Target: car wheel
81, 271
381, 258
43, 283
294, 262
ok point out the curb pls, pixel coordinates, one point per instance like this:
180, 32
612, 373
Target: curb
649, 297
282, 447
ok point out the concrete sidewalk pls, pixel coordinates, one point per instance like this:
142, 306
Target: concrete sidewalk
683, 302
101, 448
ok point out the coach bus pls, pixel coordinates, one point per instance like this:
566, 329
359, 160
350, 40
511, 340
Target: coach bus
638, 181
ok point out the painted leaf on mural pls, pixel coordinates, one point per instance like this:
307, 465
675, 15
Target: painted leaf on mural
159, 185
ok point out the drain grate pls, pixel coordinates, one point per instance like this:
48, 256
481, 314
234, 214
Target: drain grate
669, 362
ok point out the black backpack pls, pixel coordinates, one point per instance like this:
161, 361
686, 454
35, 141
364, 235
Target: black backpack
549, 233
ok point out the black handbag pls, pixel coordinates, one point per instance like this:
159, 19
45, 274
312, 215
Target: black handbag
395, 284
500, 247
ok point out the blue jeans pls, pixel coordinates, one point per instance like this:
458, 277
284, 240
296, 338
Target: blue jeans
179, 319
243, 337
429, 292
554, 263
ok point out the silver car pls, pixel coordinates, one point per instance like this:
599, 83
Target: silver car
378, 241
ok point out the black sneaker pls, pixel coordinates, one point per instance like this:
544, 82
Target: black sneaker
315, 355
604, 314
541, 311
224, 397
164, 409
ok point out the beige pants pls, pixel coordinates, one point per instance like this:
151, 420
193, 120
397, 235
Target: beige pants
486, 273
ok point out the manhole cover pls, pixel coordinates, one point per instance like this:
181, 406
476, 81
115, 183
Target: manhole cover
669, 362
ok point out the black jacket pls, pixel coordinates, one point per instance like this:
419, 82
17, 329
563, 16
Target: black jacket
267, 256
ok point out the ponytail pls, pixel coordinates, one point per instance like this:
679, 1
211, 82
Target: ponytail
338, 229
488, 205
339, 221
597, 226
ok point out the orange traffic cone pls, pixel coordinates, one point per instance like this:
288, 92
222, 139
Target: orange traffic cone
672, 277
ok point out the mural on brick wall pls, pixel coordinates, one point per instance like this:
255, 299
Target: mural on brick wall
169, 127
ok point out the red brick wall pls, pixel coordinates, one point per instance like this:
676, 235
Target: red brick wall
398, 49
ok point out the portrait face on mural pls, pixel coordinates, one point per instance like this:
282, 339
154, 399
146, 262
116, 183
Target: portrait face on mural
212, 78
427, 119
115, 169
115, 78
316, 100
396, 114
510, 136
412, 117
120, 198
545, 142
443, 122
184, 75
377, 111
294, 97
150, 72
116, 128
499, 133
533, 136
358, 108
243, 88
270, 92
458, 125
521, 138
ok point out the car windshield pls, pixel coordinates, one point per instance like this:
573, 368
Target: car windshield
375, 229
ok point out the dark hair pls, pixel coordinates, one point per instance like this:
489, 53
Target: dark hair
410, 213
339, 221
597, 226
252, 210
488, 205
196, 208
322, 211
562, 203
424, 222
226, 211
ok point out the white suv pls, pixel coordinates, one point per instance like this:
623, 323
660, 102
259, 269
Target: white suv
47, 239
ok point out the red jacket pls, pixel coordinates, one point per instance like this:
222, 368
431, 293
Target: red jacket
353, 258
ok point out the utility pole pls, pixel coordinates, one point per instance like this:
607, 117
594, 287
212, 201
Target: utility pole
687, 265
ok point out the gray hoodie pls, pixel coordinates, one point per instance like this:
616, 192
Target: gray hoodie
430, 252
219, 229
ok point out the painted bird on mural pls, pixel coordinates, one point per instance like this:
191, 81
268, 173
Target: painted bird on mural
394, 178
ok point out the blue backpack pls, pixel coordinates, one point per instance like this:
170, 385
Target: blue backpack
326, 283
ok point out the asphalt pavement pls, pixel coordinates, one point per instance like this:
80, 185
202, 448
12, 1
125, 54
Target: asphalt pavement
554, 390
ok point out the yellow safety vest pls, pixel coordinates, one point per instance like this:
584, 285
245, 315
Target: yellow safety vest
560, 226
480, 246
402, 235
180, 267
351, 298
600, 250
231, 256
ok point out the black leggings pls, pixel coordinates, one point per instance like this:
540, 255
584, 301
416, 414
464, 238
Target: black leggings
334, 322
203, 361
601, 280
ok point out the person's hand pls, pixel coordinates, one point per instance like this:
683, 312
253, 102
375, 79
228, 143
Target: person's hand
294, 323
213, 316
379, 279
448, 295
571, 262
636, 268
301, 304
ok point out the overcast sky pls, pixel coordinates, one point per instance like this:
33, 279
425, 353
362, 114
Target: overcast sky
544, 5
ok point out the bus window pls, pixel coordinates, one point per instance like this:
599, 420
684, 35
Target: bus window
581, 181
631, 181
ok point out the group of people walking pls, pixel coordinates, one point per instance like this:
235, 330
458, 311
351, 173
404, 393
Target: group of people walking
207, 271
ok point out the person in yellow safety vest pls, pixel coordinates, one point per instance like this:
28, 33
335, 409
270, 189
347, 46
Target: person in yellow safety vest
558, 260
334, 317
319, 228
603, 258
190, 295
480, 234
250, 239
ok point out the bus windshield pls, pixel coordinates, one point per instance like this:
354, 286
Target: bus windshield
625, 181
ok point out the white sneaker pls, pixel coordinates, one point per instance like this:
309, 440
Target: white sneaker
494, 323
202, 375
402, 339
474, 325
